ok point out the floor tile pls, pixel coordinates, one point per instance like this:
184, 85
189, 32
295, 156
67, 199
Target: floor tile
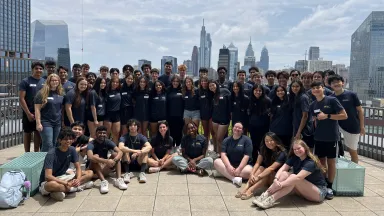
379, 213
31, 205
172, 178
234, 204
176, 203
248, 213
207, 203
171, 213
172, 189
372, 180
195, 179
50, 214
329, 213
210, 213
377, 188
305, 205
99, 203
372, 203
274, 212
203, 190
136, 203
228, 189
369, 193
93, 214
69, 204
141, 189
346, 204
357, 213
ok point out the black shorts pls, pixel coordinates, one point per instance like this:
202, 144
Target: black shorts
309, 141
326, 149
205, 115
112, 116
126, 113
28, 126
220, 122
99, 118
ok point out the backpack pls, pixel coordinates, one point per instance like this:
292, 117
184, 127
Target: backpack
13, 189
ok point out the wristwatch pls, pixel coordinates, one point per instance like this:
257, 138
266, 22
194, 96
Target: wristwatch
329, 116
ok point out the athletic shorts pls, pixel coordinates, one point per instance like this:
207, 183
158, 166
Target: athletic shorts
309, 141
326, 149
28, 126
65, 177
126, 114
112, 116
350, 140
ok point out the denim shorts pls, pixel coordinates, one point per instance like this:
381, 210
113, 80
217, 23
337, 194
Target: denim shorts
194, 114
323, 192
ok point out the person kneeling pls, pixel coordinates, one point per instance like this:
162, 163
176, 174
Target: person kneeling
53, 179
194, 148
136, 148
307, 178
271, 157
100, 163
161, 152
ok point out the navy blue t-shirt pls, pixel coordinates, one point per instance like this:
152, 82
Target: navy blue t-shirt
98, 101
141, 109
160, 146
126, 95
165, 79
52, 110
67, 86
158, 107
298, 109
236, 149
326, 130
193, 147
350, 101
175, 102
133, 142
281, 123
221, 112
205, 104
113, 101
312, 97
316, 177
191, 103
277, 156
58, 161
77, 112
31, 86
240, 110
101, 149
260, 119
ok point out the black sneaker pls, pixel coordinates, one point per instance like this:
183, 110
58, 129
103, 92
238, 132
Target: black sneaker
183, 171
329, 195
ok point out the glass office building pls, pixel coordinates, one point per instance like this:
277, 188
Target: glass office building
367, 58
14, 44
50, 41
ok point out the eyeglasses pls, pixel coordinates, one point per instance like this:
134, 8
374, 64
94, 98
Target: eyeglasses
295, 75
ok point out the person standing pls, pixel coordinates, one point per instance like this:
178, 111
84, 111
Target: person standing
75, 102
65, 83
50, 67
28, 89
175, 110
48, 110
166, 77
76, 72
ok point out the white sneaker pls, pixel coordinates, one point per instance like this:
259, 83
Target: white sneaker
85, 186
127, 177
238, 181
154, 169
260, 198
104, 187
267, 203
120, 184
58, 196
142, 178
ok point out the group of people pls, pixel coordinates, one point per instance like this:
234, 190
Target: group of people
147, 122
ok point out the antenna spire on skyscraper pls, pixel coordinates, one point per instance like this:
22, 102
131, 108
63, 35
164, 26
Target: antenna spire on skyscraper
203, 21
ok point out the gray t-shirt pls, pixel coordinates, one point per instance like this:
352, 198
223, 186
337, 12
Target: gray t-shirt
52, 110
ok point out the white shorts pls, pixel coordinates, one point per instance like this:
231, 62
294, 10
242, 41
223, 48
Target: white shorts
64, 177
350, 140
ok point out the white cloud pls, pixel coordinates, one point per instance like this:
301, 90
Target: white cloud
150, 29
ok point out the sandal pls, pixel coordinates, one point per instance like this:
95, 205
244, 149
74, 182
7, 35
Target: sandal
246, 197
239, 194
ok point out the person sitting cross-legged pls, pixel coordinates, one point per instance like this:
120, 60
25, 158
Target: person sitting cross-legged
161, 156
307, 179
135, 147
53, 179
101, 164
236, 156
194, 148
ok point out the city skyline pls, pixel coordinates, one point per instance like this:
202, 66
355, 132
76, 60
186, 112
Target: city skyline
287, 31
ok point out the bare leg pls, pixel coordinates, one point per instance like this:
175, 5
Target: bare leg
92, 129
197, 122
37, 141
124, 130
153, 129
331, 169
247, 189
206, 128
220, 167
246, 172
27, 142
53, 186
186, 122
168, 162
96, 168
144, 128
153, 163
215, 128
108, 125
221, 131
118, 165
86, 176
354, 155
116, 132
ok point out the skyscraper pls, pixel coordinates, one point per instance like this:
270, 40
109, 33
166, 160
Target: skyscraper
48, 36
224, 59
188, 63
249, 58
170, 59
63, 58
143, 61
264, 59
195, 61
234, 55
14, 44
366, 73
314, 53
205, 48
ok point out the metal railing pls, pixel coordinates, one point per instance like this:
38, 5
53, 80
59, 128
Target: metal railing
11, 129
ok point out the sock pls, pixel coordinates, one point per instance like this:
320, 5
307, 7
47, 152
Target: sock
125, 166
330, 185
143, 167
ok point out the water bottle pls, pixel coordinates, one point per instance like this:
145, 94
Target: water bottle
27, 190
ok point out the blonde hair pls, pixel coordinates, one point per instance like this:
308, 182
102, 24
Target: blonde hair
182, 67
47, 88
308, 153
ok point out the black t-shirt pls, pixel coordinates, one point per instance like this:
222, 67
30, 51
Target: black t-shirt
126, 95
77, 112
31, 86
193, 147
191, 103
226, 84
277, 156
298, 109
58, 161
260, 119
316, 177
165, 79
237, 149
50, 114
101, 149
141, 110
350, 101
326, 130
221, 111
98, 101
81, 141
240, 110
67, 86
205, 104
133, 142
160, 146
113, 101
158, 107
175, 102
281, 123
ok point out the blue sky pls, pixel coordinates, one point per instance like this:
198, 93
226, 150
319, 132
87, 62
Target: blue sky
118, 32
